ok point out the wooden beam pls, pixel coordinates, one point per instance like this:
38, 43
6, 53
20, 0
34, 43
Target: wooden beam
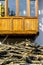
6, 7
28, 7
36, 4
17, 7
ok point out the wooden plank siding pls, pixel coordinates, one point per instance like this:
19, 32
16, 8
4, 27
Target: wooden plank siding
17, 25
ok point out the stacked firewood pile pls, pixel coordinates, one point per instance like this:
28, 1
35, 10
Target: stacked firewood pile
21, 53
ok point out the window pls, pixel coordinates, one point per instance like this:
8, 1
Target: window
32, 8
12, 7
19, 7
22, 7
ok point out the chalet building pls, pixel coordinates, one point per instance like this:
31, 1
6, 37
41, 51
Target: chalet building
25, 9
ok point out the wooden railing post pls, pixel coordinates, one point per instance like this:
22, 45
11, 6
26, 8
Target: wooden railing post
17, 7
28, 7
36, 4
6, 7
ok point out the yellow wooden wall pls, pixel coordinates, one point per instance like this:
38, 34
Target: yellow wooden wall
18, 25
